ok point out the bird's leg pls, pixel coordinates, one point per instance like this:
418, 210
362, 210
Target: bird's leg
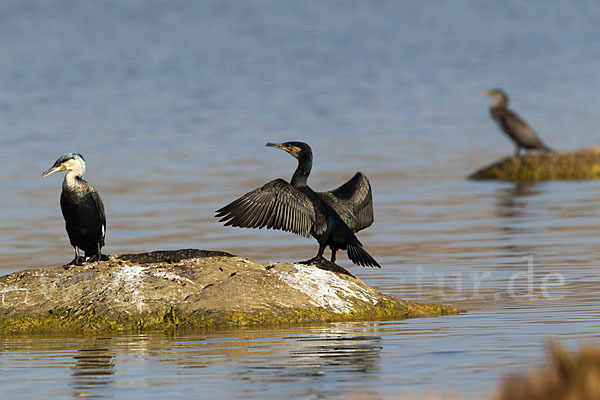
97, 256
333, 255
517, 150
80, 259
318, 257
77, 260
100, 256
321, 251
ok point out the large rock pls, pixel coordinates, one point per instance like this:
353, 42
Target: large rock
543, 166
191, 288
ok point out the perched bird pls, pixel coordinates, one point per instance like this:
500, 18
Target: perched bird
82, 209
514, 126
330, 217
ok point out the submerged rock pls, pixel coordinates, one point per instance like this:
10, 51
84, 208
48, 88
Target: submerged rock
531, 167
194, 289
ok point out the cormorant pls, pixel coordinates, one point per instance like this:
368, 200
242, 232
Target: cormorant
330, 217
82, 209
514, 126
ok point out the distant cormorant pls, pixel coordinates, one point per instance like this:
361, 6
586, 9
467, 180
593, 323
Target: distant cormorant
330, 217
514, 126
82, 209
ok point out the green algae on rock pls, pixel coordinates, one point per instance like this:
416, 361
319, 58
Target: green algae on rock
544, 166
191, 289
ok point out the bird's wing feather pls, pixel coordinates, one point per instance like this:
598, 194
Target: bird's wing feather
100, 206
353, 201
85, 220
276, 205
518, 129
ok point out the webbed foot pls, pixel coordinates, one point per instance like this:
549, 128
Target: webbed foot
314, 260
76, 261
97, 257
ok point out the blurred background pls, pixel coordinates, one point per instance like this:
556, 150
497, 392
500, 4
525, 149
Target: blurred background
171, 104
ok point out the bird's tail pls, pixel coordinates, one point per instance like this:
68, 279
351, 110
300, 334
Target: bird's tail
359, 256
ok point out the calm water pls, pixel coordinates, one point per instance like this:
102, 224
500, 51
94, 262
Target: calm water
171, 103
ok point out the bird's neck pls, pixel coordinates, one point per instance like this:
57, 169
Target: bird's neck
500, 103
73, 180
300, 177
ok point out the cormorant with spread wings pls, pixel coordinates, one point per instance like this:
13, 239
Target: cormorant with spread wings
330, 217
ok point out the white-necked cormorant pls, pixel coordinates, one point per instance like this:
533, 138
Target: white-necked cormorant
514, 126
330, 217
82, 209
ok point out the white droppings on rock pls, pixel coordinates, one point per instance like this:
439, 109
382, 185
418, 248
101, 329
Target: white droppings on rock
172, 277
129, 281
327, 289
13, 290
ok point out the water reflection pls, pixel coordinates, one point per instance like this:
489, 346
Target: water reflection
312, 362
512, 199
253, 359
313, 357
512, 210
94, 366
353, 353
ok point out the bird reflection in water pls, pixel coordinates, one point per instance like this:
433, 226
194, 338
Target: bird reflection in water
512, 199
93, 367
351, 353
512, 207
320, 355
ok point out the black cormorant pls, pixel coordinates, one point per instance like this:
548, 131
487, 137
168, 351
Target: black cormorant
330, 217
82, 209
514, 126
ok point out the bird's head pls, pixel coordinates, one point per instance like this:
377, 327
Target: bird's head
296, 149
68, 162
497, 94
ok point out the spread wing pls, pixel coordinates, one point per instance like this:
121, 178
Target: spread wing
518, 129
353, 201
276, 205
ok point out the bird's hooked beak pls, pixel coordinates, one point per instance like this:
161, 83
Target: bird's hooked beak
487, 93
293, 150
53, 169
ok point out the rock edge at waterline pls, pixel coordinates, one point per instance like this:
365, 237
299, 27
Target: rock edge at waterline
191, 289
544, 166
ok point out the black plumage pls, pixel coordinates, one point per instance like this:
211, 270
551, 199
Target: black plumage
82, 209
330, 217
512, 125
